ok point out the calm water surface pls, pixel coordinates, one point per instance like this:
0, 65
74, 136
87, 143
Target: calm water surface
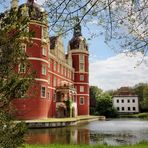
112, 132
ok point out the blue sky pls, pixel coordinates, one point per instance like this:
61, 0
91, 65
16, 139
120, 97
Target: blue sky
109, 70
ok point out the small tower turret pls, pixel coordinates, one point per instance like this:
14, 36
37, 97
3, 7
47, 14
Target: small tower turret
78, 49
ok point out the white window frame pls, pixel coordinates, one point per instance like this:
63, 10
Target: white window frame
43, 96
44, 70
81, 101
81, 88
22, 69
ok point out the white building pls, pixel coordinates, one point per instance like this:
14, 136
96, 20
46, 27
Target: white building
126, 101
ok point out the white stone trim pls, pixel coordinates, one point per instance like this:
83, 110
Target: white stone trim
43, 80
38, 59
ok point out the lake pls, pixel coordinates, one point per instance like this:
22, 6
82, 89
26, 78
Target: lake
112, 132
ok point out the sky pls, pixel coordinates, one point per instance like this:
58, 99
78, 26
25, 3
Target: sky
109, 69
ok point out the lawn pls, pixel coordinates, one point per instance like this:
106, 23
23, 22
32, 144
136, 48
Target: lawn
140, 145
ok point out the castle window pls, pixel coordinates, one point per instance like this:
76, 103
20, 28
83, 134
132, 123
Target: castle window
122, 101
44, 51
43, 92
118, 109
43, 69
81, 88
133, 100
129, 108
44, 33
128, 101
122, 108
81, 66
117, 101
134, 108
49, 79
81, 101
81, 77
81, 62
22, 68
55, 66
54, 81
81, 58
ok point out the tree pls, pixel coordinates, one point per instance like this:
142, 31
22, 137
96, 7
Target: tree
12, 84
105, 106
124, 22
140, 89
145, 99
94, 92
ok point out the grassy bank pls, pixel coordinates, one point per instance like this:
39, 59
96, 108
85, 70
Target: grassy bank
140, 145
140, 115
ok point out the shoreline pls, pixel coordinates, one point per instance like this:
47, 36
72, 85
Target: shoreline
61, 122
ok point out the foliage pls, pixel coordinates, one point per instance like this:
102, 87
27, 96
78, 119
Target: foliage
101, 103
105, 106
141, 90
94, 92
12, 84
145, 98
124, 22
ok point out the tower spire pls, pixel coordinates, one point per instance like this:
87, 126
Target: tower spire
77, 29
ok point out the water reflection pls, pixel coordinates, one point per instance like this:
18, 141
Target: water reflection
113, 132
58, 135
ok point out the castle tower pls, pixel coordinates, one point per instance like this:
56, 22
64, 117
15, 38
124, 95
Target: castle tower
35, 105
79, 51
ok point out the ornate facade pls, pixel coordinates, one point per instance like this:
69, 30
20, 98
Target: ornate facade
62, 80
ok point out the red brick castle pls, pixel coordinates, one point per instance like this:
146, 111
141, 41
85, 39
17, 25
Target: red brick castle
60, 77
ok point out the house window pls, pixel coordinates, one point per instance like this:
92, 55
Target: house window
134, 108
81, 77
122, 101
22, 68
43, 69
118, 109
81, 88
117, 101
43, 92
129, 108
81, 101
133, 100
44, 51
122, 108
128, 101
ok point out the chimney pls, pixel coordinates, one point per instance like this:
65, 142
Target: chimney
14, 4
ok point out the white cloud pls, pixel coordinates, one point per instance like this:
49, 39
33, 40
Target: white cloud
117, 71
